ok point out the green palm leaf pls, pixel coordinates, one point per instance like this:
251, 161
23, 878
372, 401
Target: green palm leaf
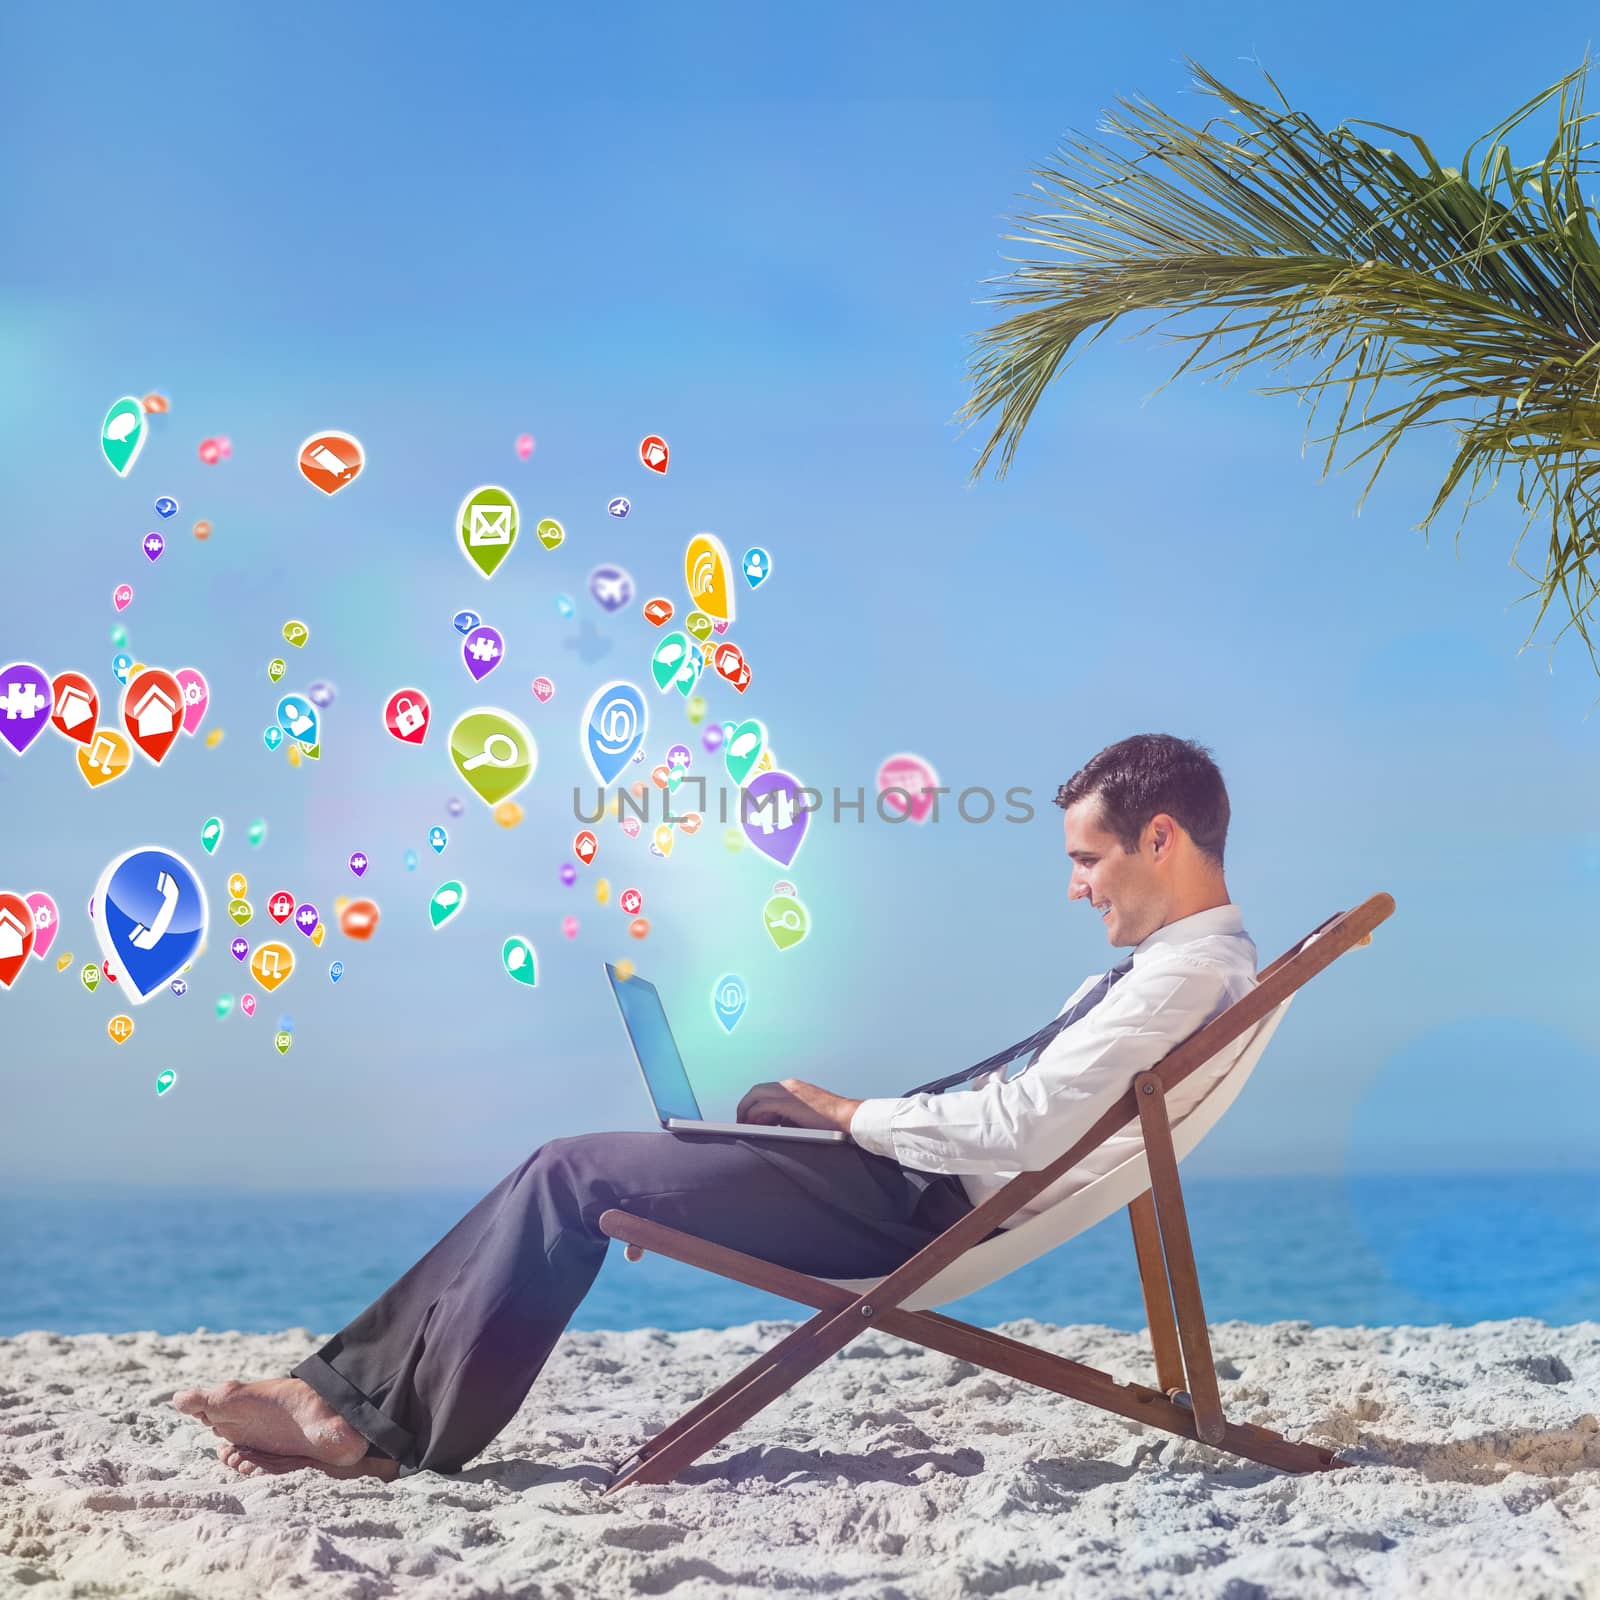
1474, 304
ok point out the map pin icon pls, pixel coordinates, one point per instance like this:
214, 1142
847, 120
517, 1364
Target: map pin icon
728, 1000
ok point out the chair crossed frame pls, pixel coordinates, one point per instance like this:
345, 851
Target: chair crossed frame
1185, 1400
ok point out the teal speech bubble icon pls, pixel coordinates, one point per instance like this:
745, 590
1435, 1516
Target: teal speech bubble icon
122, 434
165, 1081
517, 957
211, 834
447, 901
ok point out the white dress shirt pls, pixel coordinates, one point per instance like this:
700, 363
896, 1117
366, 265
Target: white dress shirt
1183, 975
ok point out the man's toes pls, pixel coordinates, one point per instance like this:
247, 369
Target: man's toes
196, 1402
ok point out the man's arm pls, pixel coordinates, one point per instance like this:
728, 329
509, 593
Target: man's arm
1025, 1124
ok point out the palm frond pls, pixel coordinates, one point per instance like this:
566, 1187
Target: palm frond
1472, 301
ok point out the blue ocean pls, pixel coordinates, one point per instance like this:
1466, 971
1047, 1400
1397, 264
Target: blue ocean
1349, 1250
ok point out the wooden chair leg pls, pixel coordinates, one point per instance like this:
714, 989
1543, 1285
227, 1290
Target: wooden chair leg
1167, 1194
1157, 1294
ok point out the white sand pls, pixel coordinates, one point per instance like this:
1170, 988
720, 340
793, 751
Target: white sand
890, 1472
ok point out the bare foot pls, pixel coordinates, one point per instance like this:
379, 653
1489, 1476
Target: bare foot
254, 1463
275, 1416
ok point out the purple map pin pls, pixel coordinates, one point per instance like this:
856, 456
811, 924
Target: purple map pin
240, 948
25, 702
306, 919
774, 821
483, 651
154, 544
358, 862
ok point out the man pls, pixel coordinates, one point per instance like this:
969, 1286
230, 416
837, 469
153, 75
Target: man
430, 1372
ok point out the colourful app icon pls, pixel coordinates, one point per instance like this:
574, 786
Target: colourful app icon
166, 506
122, 596
907, 784
239, 949
272, 964
689, 673
238, 885
773, 816
679, 757
320, 694
151, 915
689, 822
668, 659
272, 737
358, 862
119, 637
620, 506
486, 525
524, 445
247, 1004
211, 835
46, 922
25, 704
517, 957
564, 605
787, 921
120, 1028
153, 546
612, 587
359, 919
152, 712
657, 611
483, 650
296, 632
613, 729
411, 860
465, 621
708, 576
90, 977
196, 697
653, 453
757, 566
76, 706
335, 971
164, 1081
543, 689
307, 920
255, 834
241, 911
179, 987
406, 716
122, 434
743, 749
280, 906
695, 711
276, 668
105, 758
640, 927
283, 1042
728, 1000
699, 626
331, 461
224, 1005
121, 666
299, 719
493, 752
585, 846
438, 838
550, 533
446, 902
17, 935
631, 901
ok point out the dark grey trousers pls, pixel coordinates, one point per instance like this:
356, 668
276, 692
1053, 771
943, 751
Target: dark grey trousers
439, 1363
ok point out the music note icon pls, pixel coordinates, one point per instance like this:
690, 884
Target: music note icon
272, 964
105, 757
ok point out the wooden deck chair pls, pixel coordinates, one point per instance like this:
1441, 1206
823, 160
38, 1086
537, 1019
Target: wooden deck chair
961, 1260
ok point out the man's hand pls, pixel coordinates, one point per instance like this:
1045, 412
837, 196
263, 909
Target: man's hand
794, 1103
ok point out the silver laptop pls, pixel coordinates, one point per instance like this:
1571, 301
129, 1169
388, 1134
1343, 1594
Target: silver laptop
665, 1080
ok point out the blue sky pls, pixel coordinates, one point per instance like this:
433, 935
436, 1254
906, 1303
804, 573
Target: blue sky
764, 236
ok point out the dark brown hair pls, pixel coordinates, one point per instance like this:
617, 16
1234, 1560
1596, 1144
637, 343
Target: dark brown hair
1135, 778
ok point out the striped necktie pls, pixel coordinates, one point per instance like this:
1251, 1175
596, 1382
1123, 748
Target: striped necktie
1034, 1044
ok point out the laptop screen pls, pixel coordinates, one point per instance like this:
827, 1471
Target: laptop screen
646, 1021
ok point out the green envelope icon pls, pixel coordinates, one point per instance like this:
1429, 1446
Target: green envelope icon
486, 525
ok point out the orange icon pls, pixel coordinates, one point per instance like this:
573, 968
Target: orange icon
202, 529
272, 964
358, 919
154, 404
657, 611
653, 452
105, 757
120, 1029
329, 461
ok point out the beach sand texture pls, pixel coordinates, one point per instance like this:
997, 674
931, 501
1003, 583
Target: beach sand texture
889, 1472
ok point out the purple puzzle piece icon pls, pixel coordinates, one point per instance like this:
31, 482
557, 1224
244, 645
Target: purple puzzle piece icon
306, 920
358, 862
774, 820
240, 948
25, 704
154, 544
483, 651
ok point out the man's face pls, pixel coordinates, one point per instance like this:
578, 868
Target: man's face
1126, 888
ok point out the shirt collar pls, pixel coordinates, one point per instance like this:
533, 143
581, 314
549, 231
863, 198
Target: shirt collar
1201, 925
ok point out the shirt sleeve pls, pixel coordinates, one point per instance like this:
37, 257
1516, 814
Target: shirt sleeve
1024, 1124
